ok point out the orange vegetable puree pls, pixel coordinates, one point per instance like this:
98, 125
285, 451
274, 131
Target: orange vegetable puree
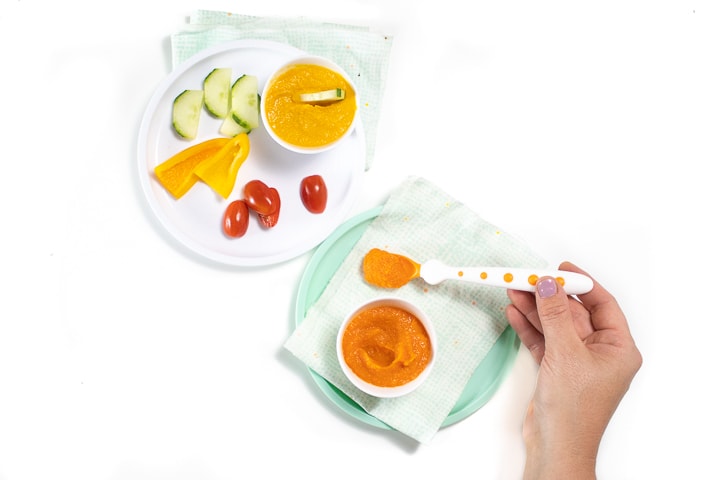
307, 124
388, 270
386, 346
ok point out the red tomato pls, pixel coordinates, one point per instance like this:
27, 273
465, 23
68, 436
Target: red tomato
271, 220
236, 219
259, 197
313, 193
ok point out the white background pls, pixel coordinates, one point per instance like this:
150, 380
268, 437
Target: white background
590, 129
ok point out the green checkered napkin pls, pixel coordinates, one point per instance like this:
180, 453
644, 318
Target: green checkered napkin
422, 222
363, 54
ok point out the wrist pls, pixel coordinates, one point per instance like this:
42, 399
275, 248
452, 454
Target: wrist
556, 459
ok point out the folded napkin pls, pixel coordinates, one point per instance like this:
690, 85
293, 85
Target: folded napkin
420, 221
363, 54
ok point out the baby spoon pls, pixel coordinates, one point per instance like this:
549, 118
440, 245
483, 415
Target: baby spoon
391, 270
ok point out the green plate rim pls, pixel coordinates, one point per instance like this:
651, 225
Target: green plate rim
504, 351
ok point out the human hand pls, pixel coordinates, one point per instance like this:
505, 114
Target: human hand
587, 360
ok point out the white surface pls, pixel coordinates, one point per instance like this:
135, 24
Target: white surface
587, 129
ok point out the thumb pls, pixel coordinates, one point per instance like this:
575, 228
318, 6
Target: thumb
553, 308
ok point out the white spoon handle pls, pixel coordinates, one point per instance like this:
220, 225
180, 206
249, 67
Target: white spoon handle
434, 272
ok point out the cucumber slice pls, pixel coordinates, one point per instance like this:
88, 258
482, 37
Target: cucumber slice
245, 103
216, 87
186, 113
325, 96
231, 128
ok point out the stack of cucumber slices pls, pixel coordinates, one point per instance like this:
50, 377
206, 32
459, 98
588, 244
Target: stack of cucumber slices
237, 103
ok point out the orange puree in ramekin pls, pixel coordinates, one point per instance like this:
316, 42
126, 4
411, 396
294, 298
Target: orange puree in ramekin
386, 346
308, 125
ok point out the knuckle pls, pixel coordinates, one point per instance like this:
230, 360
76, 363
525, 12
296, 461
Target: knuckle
552, 311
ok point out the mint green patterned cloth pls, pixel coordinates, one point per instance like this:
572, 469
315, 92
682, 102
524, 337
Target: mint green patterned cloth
364, 54
422, 222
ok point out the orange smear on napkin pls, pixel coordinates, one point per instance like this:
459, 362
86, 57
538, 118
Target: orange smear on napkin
389, 270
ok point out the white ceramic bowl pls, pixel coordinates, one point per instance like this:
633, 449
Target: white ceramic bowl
387, 392
306, 60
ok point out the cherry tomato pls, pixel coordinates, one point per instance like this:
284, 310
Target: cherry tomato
271, 220
313, 193
236, 219
259, 198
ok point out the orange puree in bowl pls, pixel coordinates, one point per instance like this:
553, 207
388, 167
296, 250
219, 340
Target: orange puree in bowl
386, 346
307, 124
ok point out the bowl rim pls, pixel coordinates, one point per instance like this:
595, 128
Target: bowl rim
400, 390
311, 60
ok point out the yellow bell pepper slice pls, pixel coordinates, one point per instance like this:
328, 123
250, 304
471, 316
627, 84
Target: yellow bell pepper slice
176, 173
220, 171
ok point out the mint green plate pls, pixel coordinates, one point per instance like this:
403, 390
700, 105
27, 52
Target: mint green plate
322, 266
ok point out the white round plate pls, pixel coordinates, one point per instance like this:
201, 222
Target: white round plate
195, 220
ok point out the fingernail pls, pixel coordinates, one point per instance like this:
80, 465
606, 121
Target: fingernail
547, 287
